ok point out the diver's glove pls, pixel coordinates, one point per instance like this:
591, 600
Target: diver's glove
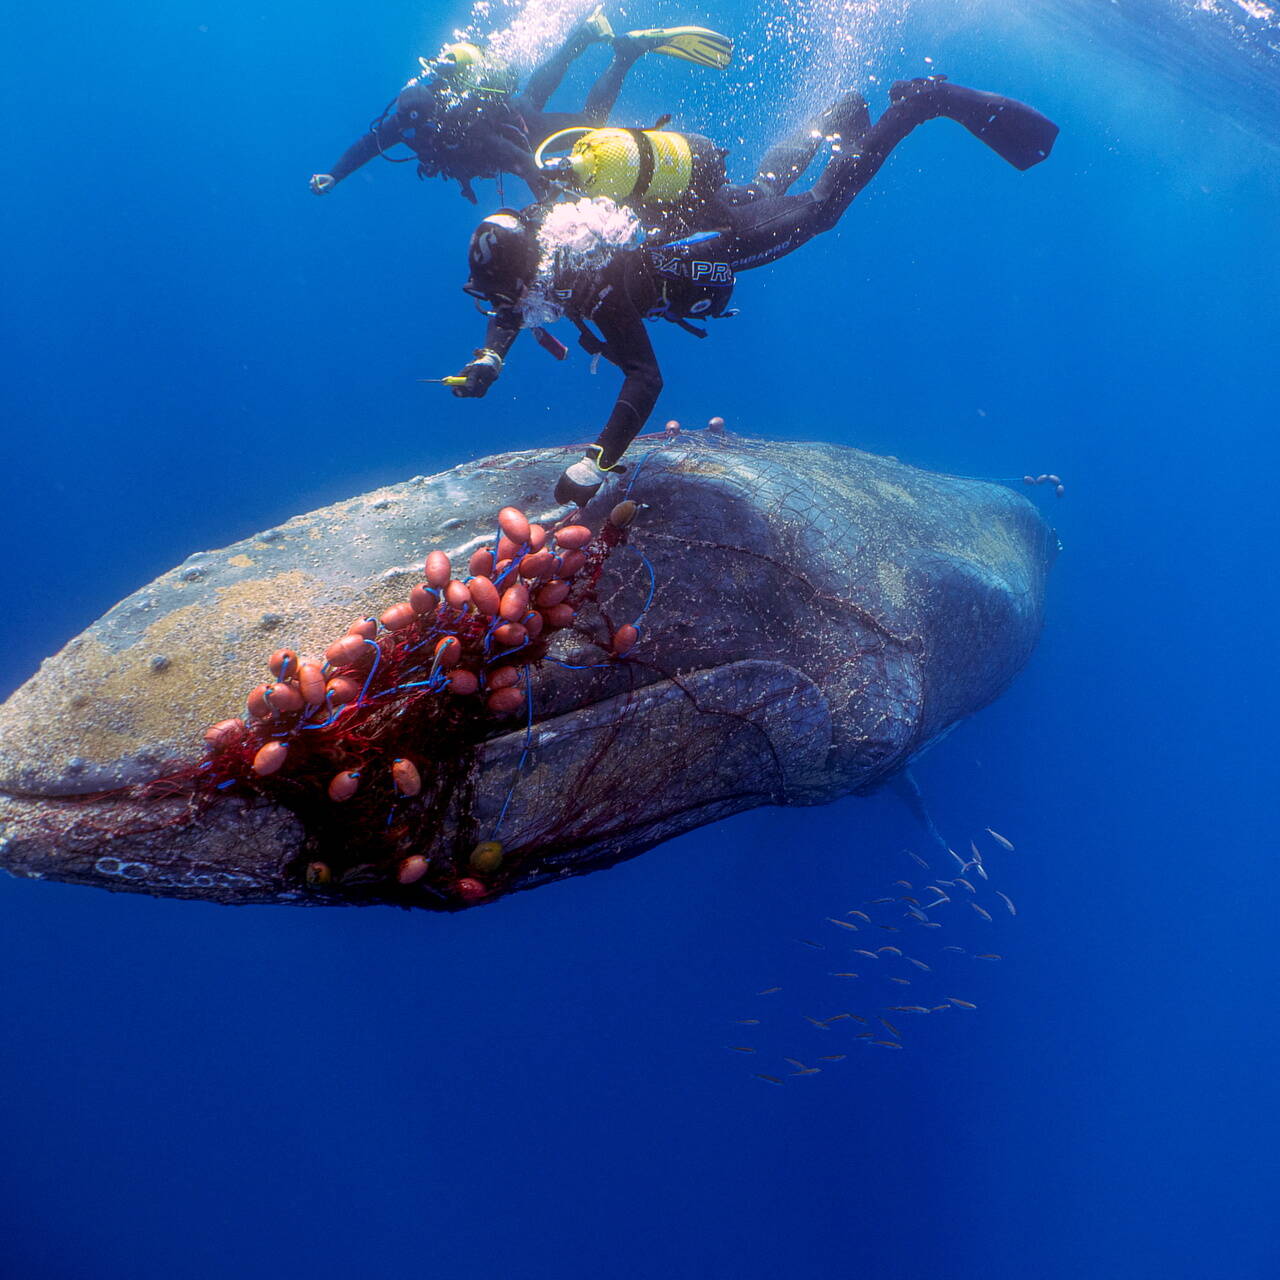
322, 182
581, 482
480, 374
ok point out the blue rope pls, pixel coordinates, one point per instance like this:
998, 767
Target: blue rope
653, 586
373, 670
524, 755
328, 699
514, 566
635, 475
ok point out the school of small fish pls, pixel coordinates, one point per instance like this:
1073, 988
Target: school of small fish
906, 908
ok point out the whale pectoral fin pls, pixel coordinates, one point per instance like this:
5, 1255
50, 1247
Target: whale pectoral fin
907, 789
619, 776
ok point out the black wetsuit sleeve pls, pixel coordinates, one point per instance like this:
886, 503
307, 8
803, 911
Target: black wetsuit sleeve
621, 323
368, 145
509, 157
499, 338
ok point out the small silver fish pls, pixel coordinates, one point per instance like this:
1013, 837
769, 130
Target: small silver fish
1003, 841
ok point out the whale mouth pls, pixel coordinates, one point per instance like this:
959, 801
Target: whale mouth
606, 781
571, 793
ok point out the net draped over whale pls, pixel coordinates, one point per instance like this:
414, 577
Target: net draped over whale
809, 617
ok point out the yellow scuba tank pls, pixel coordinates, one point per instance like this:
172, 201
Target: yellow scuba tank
636, 166
470, 67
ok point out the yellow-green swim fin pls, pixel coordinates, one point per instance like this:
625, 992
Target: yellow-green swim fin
699, 45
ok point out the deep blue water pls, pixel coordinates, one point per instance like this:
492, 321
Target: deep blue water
196, 348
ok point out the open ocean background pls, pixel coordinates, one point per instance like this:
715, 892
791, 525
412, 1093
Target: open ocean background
195, 348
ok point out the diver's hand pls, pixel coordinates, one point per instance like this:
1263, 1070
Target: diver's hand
481, 373
580, 483
322, 182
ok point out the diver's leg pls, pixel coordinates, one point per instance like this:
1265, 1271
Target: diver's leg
844, 122
545, 80
766, 222
762, 227
847, 173
604, 93
693, 44
1013, 130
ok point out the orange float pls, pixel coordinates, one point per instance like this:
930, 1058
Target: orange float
484, 595
439, 570
399, 616
270, 758
503, 702
311, 683
283, 664
573, 537
411, 870
405, 775
342, 786
515, 524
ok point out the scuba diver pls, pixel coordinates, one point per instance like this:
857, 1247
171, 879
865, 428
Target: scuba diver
593, 261
462, 118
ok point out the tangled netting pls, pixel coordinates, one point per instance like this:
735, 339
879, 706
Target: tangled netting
374, 749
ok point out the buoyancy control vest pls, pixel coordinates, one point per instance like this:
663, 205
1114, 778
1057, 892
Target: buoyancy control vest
695, 280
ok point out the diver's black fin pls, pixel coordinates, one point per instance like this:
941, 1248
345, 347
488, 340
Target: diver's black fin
1016, 132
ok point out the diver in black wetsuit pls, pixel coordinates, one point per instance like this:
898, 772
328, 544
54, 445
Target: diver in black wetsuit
463, 119
684, 277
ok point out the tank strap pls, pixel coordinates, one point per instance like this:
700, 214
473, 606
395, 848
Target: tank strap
687, 327
648, 158
588, 339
